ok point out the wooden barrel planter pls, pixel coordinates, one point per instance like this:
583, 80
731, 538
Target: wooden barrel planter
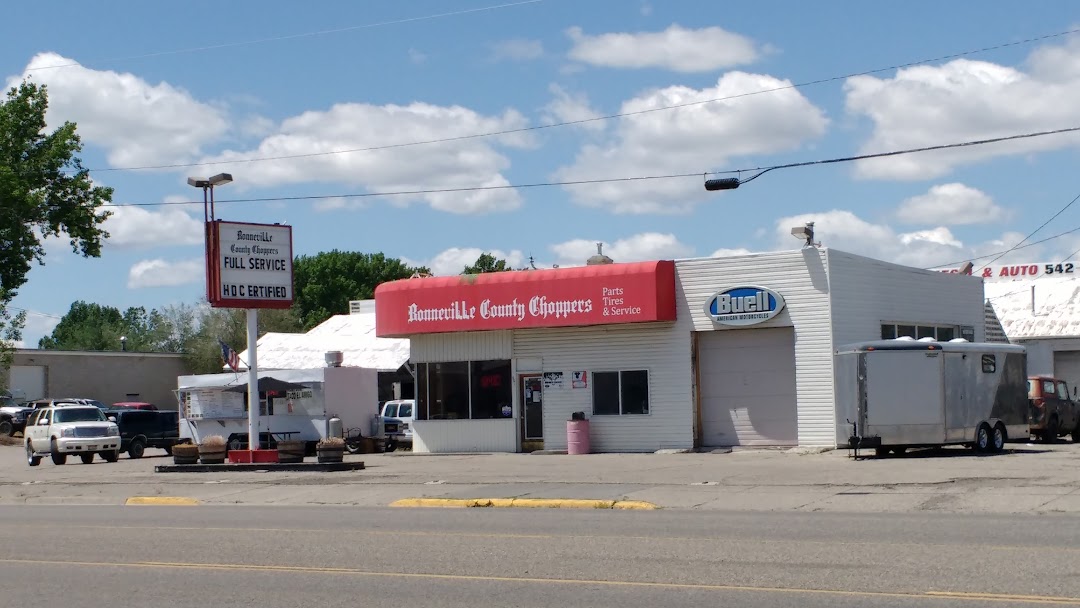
213, 454
290, 451
185, 453
330, 451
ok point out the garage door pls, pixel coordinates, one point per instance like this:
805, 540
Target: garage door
1067, 366
747, 387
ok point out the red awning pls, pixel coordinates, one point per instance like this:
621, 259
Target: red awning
562, 297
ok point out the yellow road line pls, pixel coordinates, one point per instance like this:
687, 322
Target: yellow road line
526, 503
172, 501
941, 595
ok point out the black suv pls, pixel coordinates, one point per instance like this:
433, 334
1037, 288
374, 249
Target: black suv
141, 429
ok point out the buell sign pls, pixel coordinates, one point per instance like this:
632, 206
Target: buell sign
250, 265
746, 305
589, 295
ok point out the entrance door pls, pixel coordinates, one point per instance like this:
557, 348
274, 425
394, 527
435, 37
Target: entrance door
532, 408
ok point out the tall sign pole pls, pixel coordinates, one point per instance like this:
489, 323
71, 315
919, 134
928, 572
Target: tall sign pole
249, 266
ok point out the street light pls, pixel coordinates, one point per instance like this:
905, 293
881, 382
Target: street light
123, 343
805, 232
207, 185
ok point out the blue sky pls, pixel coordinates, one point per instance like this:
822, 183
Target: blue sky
222, 83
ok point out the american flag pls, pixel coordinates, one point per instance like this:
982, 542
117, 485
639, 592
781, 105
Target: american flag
230, 356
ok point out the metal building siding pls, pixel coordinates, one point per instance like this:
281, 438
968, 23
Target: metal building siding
461, 346
868, 292
660, 348
802, 278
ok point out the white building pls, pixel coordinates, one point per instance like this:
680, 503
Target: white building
1040, 310
668, 354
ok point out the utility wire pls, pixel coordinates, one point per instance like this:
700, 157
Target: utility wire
227, 45
1033, 233
998, 253
760, 170
595, 118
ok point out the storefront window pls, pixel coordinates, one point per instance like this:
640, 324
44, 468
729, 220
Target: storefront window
464, 390
620, 393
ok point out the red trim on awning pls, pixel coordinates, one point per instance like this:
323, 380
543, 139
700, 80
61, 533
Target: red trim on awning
562, 297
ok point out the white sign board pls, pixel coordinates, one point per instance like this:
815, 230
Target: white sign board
214, 404
253, 265
1015, 272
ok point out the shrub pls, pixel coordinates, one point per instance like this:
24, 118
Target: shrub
332, 442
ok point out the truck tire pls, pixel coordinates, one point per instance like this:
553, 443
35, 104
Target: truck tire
55, 455
1053, 429
137, 448
997, 439
111, 456
1076, 431
30, 458
982, 438
87, 458
7, 429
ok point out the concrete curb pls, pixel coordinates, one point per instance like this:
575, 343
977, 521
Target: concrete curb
308, 467
171, 501
525, 503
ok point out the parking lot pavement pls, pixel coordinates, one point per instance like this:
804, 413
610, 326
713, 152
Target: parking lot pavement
1028, 478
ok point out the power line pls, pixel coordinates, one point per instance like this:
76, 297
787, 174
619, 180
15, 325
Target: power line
595, 118
226, 45
1017, 248
759, 170
36, 313
1033, 233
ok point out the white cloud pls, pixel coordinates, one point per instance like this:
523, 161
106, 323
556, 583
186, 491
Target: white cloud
453, 164
452, 261
636, 248
676, 48
338, 203
729, 253
163, 273
966, 100
138, 123
569, 107
952, 205
922, 249
517, 49
138, 227
685, 139
417, 57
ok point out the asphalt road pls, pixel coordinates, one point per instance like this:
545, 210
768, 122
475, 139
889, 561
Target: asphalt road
277, 557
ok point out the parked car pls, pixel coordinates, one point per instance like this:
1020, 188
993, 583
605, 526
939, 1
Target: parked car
38, 404
13, 415
141, 429
395, 423
133, 405
1054, 412
57, 431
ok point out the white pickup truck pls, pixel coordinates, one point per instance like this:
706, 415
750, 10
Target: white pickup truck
59, 430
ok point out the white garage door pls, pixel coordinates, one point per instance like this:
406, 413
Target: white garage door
748, 387
1067, 366
28, 381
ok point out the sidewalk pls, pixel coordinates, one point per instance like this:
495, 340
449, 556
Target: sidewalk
1027, 479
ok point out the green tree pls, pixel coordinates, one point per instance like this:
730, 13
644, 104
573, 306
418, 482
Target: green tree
44, 189
10, 333
487, 263
88, 326
202, 350
325, 282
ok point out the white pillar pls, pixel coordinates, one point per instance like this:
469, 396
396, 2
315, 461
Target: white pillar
253, 379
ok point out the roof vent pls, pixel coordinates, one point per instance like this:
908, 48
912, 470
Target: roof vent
599, 258
334, 358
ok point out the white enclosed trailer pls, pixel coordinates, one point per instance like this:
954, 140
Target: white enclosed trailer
295, 404
904, 393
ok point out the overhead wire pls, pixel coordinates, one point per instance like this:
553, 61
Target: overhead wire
1033, 233
760, 170
226, 45
503, 132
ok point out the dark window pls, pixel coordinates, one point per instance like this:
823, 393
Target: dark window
492, 389
888, 332
924, 331
989, 364
405, 411
422, 391
944, 334
620, 393
905, 331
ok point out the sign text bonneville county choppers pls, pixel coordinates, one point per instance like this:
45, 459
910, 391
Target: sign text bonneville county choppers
255, 263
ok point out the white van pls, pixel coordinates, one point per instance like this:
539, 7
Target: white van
395, 423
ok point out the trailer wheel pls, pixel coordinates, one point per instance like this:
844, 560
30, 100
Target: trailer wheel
997, 439
982, 438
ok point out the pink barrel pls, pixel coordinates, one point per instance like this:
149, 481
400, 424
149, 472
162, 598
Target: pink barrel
577, 437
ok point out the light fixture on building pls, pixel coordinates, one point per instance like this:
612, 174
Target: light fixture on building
806, 233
